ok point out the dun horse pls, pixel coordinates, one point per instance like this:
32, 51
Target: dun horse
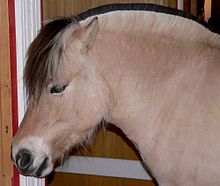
154, 75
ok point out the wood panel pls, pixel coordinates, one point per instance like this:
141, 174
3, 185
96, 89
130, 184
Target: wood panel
215, 9
56, 8
194, 7
5, 98
110, 143
62, 179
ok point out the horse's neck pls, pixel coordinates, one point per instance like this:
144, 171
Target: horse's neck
121, 60
134, 57
146, 73
129, 41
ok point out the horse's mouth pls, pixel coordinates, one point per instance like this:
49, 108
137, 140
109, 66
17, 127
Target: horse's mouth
42, 167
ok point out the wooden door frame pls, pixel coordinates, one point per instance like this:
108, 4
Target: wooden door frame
6, 57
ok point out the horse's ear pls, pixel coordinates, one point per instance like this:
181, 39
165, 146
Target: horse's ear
88, 34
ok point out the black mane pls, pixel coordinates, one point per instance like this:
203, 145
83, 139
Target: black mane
143, 7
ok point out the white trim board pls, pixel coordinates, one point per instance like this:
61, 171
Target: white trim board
180, 4
132, 169
28, 22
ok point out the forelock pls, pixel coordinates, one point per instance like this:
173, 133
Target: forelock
44, 54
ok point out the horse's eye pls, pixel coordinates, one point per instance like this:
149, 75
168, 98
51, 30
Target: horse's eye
56, 89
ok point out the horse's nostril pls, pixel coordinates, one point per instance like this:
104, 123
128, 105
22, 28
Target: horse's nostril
24, 159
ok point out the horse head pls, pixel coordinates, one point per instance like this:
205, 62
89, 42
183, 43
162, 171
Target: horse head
66, 97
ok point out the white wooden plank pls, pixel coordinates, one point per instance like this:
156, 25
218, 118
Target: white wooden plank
104, 167
180, 4
28, 16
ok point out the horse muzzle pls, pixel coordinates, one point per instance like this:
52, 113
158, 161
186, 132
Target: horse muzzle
28, 165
